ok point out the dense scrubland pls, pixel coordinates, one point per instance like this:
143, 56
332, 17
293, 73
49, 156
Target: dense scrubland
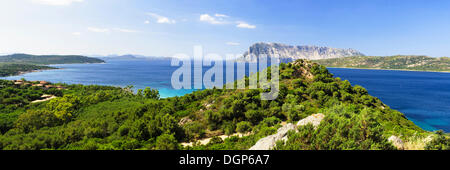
112, 118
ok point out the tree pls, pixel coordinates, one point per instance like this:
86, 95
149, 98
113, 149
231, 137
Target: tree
64, 107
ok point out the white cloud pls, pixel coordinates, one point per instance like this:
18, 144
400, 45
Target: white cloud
242, 24
125, 30
220, 19
161, 19
56, 2
221, 15
76, 33
147, 22
233, 43
99, 30
107, 30
212, 20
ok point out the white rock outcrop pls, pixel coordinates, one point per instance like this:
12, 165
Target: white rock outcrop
397, 142
269, 142
314, 119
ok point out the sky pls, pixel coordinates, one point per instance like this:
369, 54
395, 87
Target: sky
168, 27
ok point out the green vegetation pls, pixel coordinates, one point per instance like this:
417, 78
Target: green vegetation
417, 63
15, 64
110, 118
10, 69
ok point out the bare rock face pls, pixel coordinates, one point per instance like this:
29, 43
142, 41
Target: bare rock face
269, 142
397, 142
288, 53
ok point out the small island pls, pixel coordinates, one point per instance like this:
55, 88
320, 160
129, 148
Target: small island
16, 64
400, 62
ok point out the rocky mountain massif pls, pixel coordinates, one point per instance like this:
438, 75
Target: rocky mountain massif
290, 53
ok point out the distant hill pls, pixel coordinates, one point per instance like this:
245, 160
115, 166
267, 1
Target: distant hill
131, 57
290, 53
48, 59
417, 63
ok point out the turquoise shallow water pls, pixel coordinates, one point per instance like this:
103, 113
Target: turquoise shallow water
424, 97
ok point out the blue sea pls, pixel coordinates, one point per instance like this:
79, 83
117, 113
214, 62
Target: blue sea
424, 97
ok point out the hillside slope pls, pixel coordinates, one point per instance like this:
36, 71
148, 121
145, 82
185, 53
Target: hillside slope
418, 63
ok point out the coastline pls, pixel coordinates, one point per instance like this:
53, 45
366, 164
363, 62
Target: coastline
392, 69
33, 71
30, 71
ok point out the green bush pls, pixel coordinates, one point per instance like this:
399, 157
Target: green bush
166, 142
194, 130
243, 127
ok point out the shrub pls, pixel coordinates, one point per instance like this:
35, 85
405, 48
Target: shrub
194, 130
228, 128
166, 142
215, 140
243, 126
